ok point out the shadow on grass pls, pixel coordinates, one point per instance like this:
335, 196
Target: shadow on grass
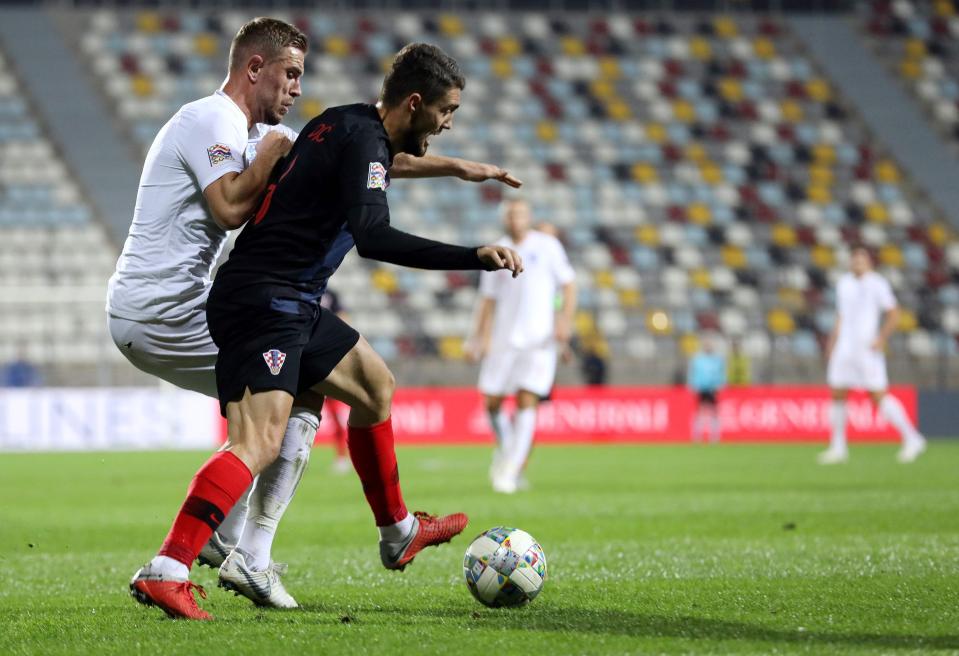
616, 622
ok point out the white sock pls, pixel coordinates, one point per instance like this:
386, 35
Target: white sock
714, 428
398, 531
895, 414
170, 567
231, 527
275, 487
524, 427
837, 419
503, 429
697, 429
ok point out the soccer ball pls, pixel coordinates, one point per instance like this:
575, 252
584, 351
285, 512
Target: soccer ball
505, 567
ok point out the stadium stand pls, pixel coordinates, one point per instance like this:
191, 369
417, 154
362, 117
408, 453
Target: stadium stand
702, 171
54, 258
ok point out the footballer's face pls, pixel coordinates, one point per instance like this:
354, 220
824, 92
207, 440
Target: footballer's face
428, 120
517, 219
278, 85
861, 261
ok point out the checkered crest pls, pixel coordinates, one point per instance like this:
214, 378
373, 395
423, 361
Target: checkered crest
274, 360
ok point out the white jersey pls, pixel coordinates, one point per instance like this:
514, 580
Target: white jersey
163, 273
526, 306
861, 302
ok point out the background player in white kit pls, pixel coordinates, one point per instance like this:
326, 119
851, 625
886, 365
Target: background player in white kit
856, 356
518, 333
205, 174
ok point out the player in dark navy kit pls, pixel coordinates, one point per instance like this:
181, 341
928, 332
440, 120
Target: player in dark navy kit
276, 341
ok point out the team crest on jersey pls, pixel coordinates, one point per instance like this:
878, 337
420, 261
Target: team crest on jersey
377, 179
274, 360
218, 153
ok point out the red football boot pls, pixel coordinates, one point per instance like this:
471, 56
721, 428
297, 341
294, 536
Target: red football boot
175, 598
428, 530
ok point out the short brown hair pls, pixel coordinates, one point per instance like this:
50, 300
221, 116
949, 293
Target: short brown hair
424, 69
265, 36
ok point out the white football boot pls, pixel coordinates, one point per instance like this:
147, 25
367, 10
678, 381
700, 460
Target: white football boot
911, 450
833, 456
214, 552
262, 588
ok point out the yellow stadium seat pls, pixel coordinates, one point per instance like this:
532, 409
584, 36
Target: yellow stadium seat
780, 322
684, 111
818, 89
148, 22
907, 320
630, 298
572, 46
711, 173
689, 344
337, 46
619, 110
451, 348
584, 323
546, 131
141, 85
824, 154
386, 64
910, 69
385, 281
502, 68
700, 49
823, 256
876, 213
655, 132
609, 68
791, 298
695, 152
451, 25
944, 8
783, 235
820, 174
939, 234
887, 172
310, 108
891, 255
699, 213
730, 89
725, 27
819, 194
915, 49
791, 111
205, 44
603, 89
733, 256
647, 235
764, 48
658, 322
700, 278
604, 279
509, 46
645, 173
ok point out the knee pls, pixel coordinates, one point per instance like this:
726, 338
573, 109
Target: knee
493, 404
381, 389
265, 448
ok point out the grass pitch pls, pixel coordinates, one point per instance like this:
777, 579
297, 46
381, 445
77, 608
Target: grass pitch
729, 549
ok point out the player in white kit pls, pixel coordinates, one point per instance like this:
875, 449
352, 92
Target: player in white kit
519, 331
866, 316
205, 174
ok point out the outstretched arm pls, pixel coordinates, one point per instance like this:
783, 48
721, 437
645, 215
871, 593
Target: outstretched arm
376, 239
439, 166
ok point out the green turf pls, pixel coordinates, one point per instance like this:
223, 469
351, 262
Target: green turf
745, 549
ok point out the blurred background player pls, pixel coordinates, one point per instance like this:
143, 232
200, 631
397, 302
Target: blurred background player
866, 315
739, 370
332, 408
518, 333
706, 377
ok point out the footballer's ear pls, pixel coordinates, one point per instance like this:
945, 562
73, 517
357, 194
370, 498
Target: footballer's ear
253, 67
414, 102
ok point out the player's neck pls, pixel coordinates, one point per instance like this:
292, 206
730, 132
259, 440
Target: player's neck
392, 123
520, 238
234, 92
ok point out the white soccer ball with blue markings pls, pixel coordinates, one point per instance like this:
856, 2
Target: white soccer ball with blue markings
505, 567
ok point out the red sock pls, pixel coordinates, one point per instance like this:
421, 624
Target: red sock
212, 493
371, 450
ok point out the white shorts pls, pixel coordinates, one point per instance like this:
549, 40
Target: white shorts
180, 353
865, 370
509, 370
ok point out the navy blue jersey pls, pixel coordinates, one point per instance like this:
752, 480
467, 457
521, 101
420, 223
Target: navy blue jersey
328, 193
